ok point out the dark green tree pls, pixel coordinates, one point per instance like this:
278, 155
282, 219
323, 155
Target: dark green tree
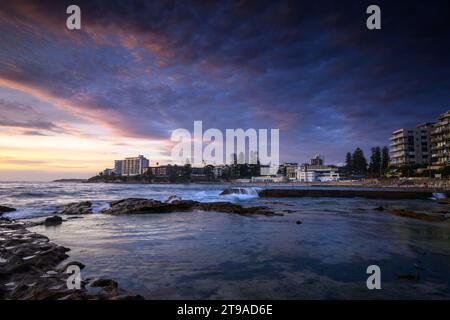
375, 169
348, 169
385, 159
187, 170
359, 162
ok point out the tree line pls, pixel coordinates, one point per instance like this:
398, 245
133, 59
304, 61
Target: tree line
356, 163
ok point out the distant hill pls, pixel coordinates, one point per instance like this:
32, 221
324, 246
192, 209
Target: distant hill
70, 180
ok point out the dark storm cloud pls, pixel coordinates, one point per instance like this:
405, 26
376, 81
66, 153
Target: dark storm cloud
19, 116
144, 68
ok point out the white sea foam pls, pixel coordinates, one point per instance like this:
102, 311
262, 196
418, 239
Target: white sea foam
242, 194
99, 206
439, 195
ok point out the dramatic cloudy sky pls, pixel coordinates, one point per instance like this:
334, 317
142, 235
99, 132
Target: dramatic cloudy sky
73, 101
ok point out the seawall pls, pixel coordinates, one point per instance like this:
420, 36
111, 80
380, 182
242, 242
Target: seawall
331, 193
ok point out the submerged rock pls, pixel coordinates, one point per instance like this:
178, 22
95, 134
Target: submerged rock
104, 283
53, 221
444, 201
410, 277
281, 203
235, 208
76, 208
142, 206
417, 215
5, 209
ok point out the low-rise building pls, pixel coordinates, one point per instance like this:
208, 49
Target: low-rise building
317, 173
218, 171
108, 172
291, 171
160, 171
269, 179
304, 175
198, 172
266, 170
166, 171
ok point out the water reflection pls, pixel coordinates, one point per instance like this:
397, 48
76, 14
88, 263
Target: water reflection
215, 255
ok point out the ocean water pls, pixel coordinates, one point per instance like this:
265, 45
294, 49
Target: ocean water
41, 199
211, 255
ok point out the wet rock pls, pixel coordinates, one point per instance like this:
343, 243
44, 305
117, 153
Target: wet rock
53, 221
139, 206
281, 203
235, 208
4, 209
72, 263
417, 215
410, 277
444, 201
380, 208
49, 258
104, 283
76, 208
143, 206
128, 297
14, 226
172, 199
29, 268
298, 222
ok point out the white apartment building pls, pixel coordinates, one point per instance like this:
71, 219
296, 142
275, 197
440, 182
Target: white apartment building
307, 176
266, 170
317, 173
269, 179
134, 166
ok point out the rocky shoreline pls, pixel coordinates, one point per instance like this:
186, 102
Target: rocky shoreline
5, 209
145, 206
32, 268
